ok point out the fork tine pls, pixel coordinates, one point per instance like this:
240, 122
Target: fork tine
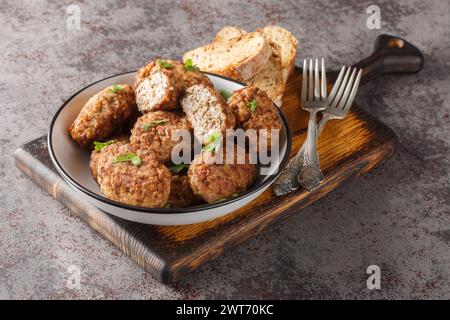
304, 80
311, 84
336, 85
324, 82
353, 92
316, 81
341, 89
347, 90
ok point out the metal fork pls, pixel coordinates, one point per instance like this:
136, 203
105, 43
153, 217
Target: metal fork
339, 102
313, 101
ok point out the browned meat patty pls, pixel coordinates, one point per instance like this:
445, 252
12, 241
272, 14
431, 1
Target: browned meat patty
145, 184
181, 194
207, 112
215, 182
95, 155
254, 110
160, 84
154, 130
103, 114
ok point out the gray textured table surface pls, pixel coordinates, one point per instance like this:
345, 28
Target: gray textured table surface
397, 216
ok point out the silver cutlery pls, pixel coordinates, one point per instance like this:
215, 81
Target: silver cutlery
338, 105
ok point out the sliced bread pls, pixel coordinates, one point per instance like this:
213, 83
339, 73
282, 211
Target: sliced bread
287, 45
228, 33
238, 57
270, 79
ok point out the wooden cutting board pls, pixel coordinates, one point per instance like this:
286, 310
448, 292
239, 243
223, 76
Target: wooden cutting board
347, 148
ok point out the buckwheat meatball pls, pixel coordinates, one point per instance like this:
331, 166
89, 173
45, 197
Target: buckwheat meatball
191, 76
155, 130
207, 112
254, 110
181, 194
214, 181
103, 114
101, 147
133, 176
160, 84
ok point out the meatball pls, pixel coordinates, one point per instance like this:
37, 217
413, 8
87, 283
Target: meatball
103, 114
157, 87
254, 110
144, 183
207, 112
95, 155
181, 194
159, 84
218, 181
154, 130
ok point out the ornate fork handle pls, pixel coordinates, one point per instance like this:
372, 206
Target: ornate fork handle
310, 174
288, 179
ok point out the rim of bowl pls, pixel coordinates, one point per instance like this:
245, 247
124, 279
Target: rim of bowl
201, 207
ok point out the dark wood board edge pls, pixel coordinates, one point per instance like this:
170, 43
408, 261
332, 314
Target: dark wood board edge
62, 192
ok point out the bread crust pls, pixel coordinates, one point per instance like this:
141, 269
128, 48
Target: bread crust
240, 70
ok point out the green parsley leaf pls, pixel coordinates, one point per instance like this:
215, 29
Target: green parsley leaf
225, 94
252, 105
116, 88
98, 146
152, 124
177, 168
214, 142
164, 64
135, 160
190, 66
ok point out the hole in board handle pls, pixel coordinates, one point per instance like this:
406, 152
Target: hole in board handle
396, 43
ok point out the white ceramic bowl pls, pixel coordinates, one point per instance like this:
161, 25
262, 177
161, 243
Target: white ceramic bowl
72, 163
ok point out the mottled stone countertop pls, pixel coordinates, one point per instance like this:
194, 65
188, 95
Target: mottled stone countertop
397, 216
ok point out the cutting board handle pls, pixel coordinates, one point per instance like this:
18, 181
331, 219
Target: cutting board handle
391, 55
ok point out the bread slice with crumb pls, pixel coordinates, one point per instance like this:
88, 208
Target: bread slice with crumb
227, 33
237, 57
287, 45
270, 79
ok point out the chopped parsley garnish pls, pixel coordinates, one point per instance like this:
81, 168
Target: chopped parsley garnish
116, 88
225, 94
214, 142
132, 157
98, 146
190, 66
252, 105
177, 168
164, 64
154, 124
